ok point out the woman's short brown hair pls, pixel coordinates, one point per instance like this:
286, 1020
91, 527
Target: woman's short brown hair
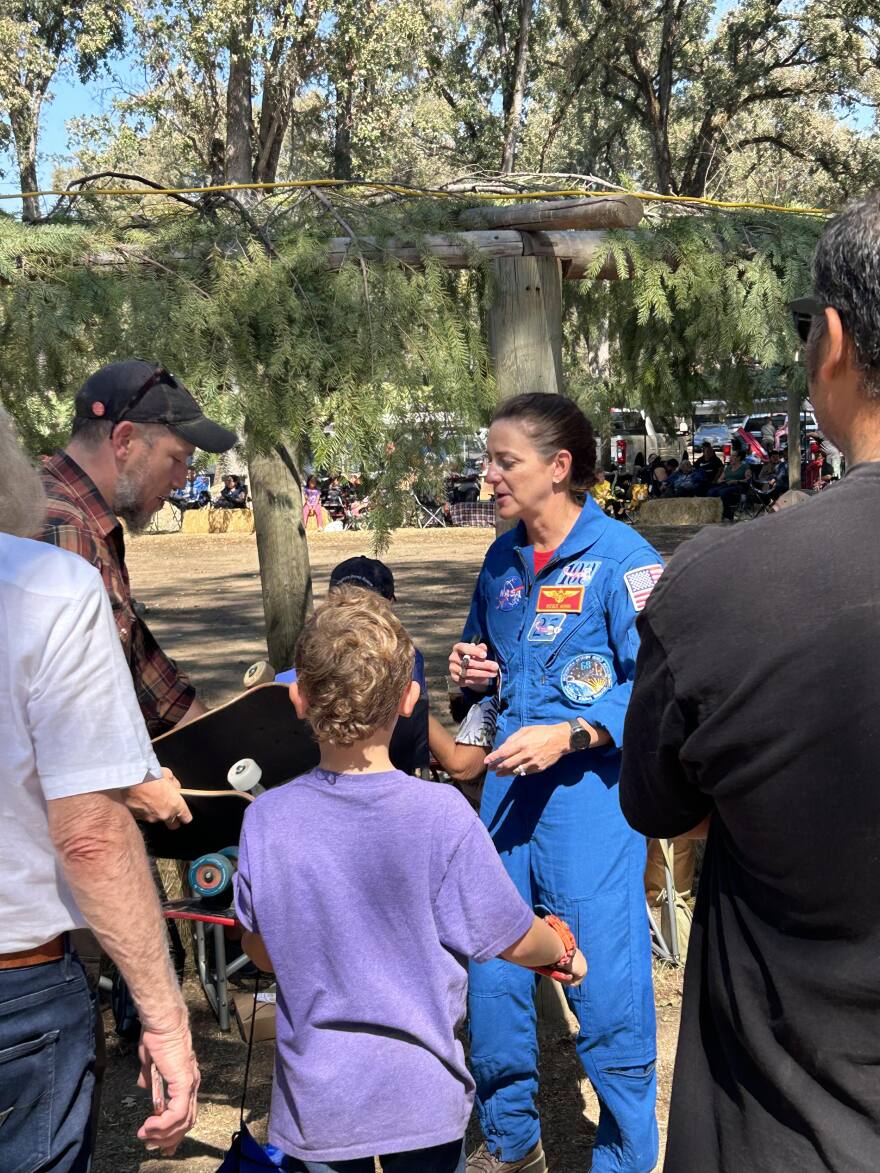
353, 662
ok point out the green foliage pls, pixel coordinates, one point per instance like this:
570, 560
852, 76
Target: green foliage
703, 314
280, 346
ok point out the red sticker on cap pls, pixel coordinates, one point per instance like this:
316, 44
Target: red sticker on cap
98, 408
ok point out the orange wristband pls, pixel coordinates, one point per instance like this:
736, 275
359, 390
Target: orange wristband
567, 937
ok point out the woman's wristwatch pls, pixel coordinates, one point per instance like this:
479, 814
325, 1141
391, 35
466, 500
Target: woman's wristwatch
581, 735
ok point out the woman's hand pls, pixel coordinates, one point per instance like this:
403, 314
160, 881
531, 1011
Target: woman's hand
470, 667
531, 749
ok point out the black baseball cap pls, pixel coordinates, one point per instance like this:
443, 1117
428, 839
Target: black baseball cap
369, 573
146, 393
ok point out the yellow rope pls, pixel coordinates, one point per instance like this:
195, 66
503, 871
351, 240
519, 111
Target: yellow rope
432, 193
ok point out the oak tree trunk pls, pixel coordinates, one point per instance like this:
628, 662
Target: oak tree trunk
239, 118
514, 100
285, 572
794, 438
24, 122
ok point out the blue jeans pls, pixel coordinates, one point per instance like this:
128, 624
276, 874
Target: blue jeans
47, 1059
444, 1158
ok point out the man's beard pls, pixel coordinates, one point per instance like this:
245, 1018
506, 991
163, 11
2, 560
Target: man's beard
128, 499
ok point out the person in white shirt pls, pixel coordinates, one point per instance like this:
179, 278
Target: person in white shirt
73, 752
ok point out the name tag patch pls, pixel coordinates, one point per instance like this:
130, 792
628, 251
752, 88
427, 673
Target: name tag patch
565, 599
641, 582
586, 678
511, 594
545, 628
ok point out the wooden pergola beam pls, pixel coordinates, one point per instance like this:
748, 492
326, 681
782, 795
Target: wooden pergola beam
590, 212
575, 250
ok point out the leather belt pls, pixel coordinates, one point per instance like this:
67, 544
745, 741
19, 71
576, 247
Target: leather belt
52, 951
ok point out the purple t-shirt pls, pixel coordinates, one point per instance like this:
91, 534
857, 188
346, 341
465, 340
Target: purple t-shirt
370, 891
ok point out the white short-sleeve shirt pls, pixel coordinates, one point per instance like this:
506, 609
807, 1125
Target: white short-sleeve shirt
69, 724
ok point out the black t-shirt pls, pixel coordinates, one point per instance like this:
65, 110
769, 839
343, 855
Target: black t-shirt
778, 1063
711, 465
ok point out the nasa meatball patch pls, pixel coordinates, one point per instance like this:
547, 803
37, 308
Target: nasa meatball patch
586, 678
511, 594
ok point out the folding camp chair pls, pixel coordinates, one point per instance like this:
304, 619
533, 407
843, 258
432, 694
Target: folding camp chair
428, 513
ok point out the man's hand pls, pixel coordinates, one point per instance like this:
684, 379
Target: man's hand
530, 749
470, 667
159, 801
175, 1061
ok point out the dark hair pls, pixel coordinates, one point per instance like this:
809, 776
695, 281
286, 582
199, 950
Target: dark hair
673, 463
639, 459
555, 423
311, 478
846, 275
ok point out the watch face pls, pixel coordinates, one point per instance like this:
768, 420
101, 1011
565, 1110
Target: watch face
579, 738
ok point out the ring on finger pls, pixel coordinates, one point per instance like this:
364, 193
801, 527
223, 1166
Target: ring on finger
519, 770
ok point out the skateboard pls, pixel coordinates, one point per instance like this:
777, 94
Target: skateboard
253, 742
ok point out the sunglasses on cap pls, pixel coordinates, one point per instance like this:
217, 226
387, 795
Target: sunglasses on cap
160, 375
803, 310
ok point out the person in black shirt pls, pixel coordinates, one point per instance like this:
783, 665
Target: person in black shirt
778, 1063
707, 469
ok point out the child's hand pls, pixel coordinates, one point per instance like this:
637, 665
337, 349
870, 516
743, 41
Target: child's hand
577, 968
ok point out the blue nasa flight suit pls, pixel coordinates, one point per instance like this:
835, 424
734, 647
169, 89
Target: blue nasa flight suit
566, 644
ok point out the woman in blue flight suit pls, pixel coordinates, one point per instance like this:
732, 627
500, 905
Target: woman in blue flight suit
552, 628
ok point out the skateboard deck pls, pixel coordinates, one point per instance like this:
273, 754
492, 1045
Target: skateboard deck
262, 725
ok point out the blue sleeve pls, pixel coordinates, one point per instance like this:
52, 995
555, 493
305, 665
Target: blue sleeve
287, 677
419, 675
629, 591
474, 631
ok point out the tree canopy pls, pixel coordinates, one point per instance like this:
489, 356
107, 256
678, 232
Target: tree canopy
759, 100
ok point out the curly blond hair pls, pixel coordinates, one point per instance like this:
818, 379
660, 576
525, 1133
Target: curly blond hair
353, 661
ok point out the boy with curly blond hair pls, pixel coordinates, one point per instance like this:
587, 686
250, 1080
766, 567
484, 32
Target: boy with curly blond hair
365, 890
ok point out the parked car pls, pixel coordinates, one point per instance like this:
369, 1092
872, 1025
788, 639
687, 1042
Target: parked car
717, 434
633, 432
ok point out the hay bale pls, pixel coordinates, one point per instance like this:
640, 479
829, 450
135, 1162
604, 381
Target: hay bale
680, 511
218, 521
230, 521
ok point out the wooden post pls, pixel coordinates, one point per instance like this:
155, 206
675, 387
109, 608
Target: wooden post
524, 324
285, 573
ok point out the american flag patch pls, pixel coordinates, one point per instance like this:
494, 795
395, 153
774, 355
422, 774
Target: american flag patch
641, 582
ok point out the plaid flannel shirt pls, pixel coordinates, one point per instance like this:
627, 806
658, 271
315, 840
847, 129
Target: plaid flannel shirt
79, 520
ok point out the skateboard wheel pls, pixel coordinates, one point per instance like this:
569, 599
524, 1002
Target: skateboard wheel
244, 775
260, 673
230, 853
210, 875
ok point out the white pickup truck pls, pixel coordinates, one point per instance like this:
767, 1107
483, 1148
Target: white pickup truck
634, 433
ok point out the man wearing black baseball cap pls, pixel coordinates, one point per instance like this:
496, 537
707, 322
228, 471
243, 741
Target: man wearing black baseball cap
135, 428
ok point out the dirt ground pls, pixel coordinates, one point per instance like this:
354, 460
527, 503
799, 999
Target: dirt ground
203, 601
